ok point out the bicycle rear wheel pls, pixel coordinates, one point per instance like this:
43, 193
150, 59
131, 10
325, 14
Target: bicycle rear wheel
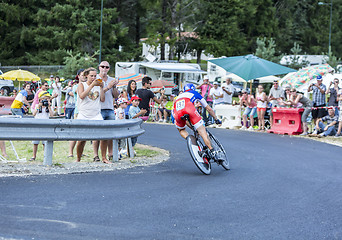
218, 147
196, 151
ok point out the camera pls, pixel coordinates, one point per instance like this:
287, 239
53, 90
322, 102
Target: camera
45, 103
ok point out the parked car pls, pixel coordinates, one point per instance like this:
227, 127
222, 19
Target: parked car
7, 85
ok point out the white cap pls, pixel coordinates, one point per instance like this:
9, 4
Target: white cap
206, 77
216, 83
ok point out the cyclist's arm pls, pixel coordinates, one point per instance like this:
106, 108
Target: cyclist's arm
211, 112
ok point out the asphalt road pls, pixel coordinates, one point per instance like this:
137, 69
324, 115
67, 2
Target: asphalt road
279, 187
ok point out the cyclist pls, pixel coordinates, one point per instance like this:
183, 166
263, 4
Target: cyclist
185, 104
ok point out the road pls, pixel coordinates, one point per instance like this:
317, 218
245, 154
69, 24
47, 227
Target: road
279, 187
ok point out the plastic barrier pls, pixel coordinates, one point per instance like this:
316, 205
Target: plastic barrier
287, 121
229, 115
6, 102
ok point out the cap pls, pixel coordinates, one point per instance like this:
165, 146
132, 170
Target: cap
51, 76
319, 77
135, 98
215, 83
121, 100
275, 81
243, 91
205, 77
44, 94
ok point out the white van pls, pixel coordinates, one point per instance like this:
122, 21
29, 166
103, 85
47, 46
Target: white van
177, 73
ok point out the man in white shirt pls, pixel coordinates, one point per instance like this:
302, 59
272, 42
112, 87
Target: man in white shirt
216, 93
228, 90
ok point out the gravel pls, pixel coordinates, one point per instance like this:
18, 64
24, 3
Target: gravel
31, 168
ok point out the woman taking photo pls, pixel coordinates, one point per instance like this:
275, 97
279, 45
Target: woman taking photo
90, 94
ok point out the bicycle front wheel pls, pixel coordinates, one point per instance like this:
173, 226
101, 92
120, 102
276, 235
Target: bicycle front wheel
196, 151
218, 147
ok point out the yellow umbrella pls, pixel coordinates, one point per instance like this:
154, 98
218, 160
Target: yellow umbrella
20, 75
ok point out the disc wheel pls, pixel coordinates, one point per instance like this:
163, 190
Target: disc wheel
218, 147
195, 148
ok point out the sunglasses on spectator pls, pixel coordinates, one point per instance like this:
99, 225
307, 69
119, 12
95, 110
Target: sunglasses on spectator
105, 67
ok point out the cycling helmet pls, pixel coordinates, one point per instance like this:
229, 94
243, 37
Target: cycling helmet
121, 100
188, 87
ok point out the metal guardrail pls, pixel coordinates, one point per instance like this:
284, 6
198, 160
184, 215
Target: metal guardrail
65, 129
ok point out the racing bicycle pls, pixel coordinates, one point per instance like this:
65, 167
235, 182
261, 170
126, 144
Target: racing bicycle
201, 154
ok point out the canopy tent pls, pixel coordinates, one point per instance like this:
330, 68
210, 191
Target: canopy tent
250, 67
267, 79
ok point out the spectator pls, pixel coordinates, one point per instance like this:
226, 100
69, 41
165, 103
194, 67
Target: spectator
339, 98
57, 91
120, 115
120, 112
216, 93
318, 99
70, 101
169, 107
333, 91
276, 96
90, 95
79, 77
107, 110
261, 107
146, 95
228, 90
135, 112
205, 90
3, 149
42, 110
248, 101
131, 89
162, 109
50, 83
2, 93
44, 87
296, 98
329, 129
20, 100
14, 93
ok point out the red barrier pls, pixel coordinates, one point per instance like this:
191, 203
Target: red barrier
6, 102
287, 121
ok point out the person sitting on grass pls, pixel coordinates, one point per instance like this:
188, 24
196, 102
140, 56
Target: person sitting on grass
322, 130
135, 112
42, 110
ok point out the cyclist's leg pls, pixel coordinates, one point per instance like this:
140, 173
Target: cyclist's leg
203, 133
183, 133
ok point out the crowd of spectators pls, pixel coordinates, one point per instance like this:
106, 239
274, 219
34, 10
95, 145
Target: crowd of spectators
94, 96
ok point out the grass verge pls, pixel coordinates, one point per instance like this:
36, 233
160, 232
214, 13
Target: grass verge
61, 151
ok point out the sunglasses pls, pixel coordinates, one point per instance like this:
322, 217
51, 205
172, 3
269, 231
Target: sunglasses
105, 67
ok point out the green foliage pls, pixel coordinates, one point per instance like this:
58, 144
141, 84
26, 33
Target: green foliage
75, 61
266, 49
42, 32
332, 60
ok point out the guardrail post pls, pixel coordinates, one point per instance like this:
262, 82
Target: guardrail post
115, 150
130, 150
48, 151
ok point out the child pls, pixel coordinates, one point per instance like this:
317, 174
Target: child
134, 112
119, 115
42, 110
120, 112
